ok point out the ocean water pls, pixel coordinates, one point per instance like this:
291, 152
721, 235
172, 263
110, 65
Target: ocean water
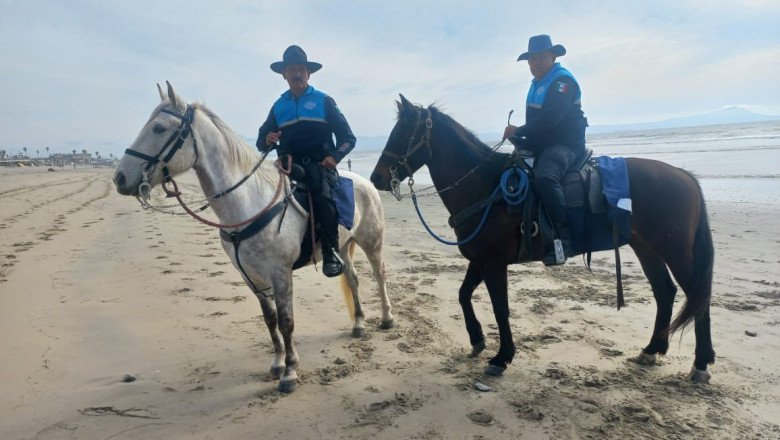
737, 163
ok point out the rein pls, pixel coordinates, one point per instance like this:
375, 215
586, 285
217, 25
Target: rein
178, 138
511, 196
425, 141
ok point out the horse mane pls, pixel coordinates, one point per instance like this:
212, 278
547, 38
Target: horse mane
481, 151
238, 151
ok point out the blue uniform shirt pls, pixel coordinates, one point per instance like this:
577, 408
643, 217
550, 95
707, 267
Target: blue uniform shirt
553, 113
308, 125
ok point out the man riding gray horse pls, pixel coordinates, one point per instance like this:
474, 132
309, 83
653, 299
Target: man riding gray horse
554, 131
301, 124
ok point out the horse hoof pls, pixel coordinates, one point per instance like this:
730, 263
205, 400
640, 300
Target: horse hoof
646, 359
476, 349
494, 370
287, 386
386, 325
699, 376
276, 372
358, 332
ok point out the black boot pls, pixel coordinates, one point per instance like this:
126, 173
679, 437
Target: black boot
554, 256
332, 264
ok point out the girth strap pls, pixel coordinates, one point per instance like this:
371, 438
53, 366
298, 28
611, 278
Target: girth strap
256, 226
236, 237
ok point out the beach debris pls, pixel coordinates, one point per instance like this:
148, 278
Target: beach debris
128, 378
481, 417
482, 387
111, 411
751, 333
339, 361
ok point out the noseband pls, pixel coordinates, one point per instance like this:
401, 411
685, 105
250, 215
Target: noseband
411, 148
177, 139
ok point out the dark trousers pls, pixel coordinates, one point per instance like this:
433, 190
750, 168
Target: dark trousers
320, 181
549, 169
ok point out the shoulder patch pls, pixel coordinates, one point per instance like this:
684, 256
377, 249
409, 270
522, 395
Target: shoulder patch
562, 87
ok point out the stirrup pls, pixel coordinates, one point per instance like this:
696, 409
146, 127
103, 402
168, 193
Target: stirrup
332, 268
558, 255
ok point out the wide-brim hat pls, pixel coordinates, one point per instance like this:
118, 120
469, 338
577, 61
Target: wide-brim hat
295, 55
539, 44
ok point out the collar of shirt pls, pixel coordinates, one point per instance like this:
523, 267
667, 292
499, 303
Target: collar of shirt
288, 94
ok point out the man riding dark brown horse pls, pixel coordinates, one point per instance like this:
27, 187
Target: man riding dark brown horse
302, 122
554, 130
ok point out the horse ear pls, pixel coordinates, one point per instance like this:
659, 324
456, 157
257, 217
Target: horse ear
405, 102
159, 89
172, 95
406, 110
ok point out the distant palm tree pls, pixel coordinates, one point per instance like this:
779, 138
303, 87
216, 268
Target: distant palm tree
37, 153
25, 150
74, 152
2, 154
48, 155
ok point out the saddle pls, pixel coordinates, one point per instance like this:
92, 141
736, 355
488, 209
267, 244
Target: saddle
586, 211
343, 195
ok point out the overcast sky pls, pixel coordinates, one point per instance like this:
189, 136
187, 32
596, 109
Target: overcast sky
83, 73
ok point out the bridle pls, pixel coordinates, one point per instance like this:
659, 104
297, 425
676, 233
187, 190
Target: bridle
411, 148
177, 139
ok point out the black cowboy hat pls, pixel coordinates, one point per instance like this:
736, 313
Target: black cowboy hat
295, 55
542, 43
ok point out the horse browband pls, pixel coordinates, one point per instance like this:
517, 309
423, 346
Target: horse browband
411, 149
179, 136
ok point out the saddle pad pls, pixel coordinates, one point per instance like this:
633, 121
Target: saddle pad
344, 196
614, 180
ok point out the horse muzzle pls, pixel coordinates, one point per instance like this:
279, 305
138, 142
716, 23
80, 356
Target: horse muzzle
124, 186
381, 180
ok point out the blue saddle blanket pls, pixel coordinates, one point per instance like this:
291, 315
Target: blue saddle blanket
592, 231
614, 183
344, 196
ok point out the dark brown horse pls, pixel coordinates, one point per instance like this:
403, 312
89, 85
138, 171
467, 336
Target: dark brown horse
669, 229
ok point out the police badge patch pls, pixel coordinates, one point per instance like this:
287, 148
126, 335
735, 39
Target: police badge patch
562, 87
309, 105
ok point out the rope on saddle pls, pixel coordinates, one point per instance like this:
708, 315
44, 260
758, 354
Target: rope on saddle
512, 196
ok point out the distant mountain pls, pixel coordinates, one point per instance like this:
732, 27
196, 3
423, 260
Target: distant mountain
726, 115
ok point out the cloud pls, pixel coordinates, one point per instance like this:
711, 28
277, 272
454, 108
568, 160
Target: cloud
85, 71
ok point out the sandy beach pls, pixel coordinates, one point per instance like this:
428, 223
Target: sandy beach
94, 289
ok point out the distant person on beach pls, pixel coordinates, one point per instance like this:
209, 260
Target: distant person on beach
301, 124
349, 164
554, 131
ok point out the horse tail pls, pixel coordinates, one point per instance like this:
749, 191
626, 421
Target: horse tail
345, 290
699, 290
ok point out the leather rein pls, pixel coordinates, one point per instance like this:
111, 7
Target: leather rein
175, 142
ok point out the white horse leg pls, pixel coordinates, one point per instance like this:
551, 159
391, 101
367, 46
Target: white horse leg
374, 254
358, 327
270, 318
283, 294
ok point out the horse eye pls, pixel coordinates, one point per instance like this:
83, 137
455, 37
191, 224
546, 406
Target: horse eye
158, 128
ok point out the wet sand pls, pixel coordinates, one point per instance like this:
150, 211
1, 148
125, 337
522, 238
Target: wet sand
94, 288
